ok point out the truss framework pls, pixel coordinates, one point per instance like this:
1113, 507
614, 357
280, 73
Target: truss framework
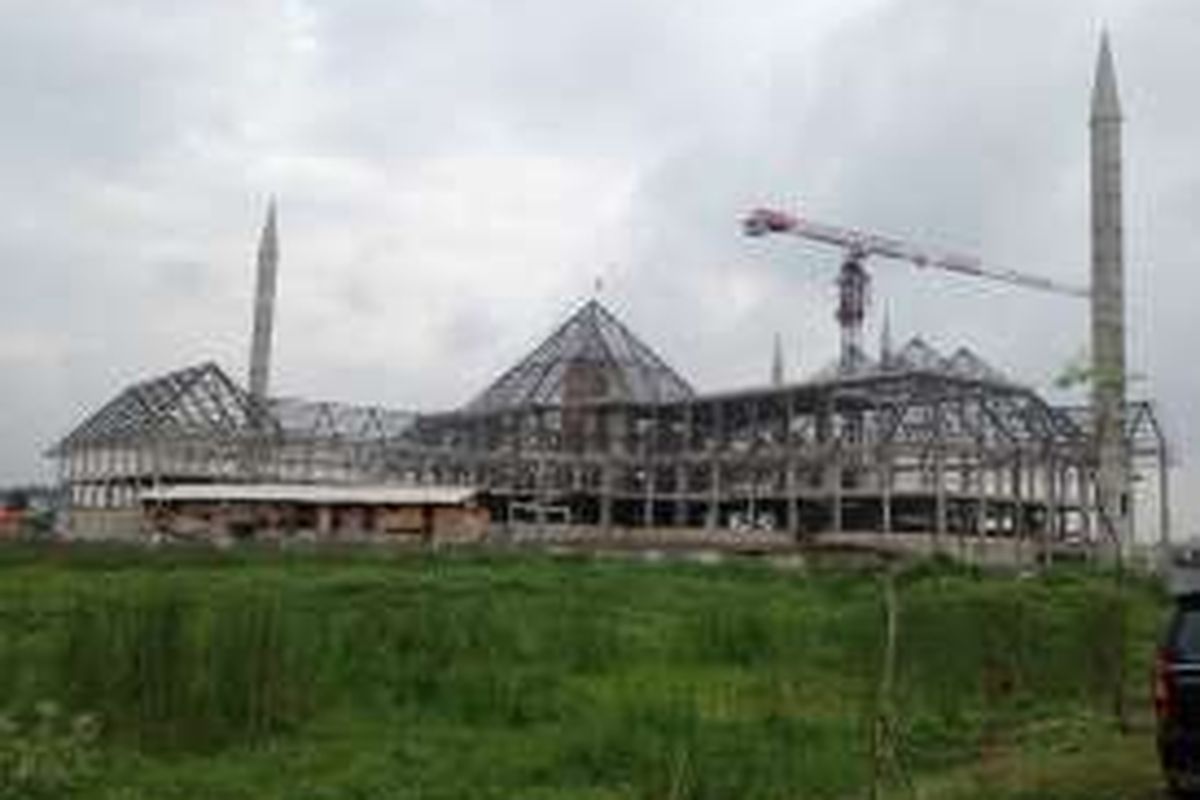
591, 356
594, 422
197, 425
887, 450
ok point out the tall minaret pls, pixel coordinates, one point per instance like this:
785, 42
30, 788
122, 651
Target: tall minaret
885, 341
264, 310
777, 363
1108, 298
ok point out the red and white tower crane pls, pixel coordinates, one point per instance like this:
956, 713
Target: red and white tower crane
853, 280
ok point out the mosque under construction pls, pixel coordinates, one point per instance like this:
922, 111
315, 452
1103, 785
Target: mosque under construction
593, 428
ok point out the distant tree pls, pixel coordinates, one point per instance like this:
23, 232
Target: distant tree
17, 498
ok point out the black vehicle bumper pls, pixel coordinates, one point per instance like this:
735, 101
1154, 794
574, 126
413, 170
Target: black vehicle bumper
1179, 752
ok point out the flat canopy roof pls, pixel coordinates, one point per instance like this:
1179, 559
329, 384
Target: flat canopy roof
312, 494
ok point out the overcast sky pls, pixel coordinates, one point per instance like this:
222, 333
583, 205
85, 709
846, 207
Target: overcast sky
454, 175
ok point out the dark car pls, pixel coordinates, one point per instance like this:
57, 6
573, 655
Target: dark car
1177, 697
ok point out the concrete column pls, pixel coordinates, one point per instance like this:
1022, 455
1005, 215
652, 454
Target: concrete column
981, 511
648, 500
1164, 508
838, 521
886, 482
606, 499
1018, 505
939, 496
792, 515
1051, 497
681, 490
713, 519
539, 491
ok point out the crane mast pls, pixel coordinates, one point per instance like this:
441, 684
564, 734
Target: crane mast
854, 282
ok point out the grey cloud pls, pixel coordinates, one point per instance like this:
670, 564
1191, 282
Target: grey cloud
145, 138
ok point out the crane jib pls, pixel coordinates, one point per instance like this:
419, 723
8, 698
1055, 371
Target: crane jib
860, 244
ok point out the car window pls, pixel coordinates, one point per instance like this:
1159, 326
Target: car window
1187, 634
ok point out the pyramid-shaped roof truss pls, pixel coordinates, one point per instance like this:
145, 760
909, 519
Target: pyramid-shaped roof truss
592, 357
196, 401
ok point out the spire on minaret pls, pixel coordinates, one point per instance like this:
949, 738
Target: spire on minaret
885, 339
777, 376
264, 308
1106, 105
1108, 299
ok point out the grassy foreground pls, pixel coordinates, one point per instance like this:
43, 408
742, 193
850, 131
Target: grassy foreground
363, 676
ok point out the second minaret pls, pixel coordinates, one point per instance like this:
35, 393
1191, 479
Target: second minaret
264, 310
1108, 298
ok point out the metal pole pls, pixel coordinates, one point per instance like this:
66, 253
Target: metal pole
1164, 508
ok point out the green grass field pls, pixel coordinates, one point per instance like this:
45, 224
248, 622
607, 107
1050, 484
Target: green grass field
371, 676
